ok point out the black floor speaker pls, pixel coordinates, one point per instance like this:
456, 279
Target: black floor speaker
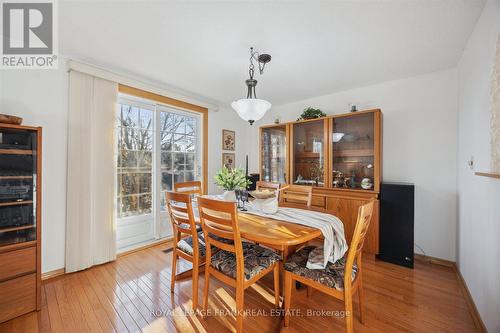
396, 223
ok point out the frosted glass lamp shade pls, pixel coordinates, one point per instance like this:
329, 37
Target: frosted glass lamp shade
251, 109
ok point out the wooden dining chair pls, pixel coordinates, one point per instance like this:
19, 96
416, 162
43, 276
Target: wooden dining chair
300, 195
341, 279
238, 264
262, 185
193, 187
191, 248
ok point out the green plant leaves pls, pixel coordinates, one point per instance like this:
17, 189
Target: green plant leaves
311, 113
231, 179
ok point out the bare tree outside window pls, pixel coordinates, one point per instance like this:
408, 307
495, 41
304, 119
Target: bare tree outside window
135, 127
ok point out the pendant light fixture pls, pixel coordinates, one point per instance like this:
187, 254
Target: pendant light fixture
252, 108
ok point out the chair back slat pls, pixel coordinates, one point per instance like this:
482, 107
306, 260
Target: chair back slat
221, 245
219, 230
179, 219
193, 187
220, 218
297, 194
365, 213
179, 206
182, 209
262, 185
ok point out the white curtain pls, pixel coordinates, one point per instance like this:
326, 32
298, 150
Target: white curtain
495, 112
91, 185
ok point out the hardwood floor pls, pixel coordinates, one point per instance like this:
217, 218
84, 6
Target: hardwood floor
132, 294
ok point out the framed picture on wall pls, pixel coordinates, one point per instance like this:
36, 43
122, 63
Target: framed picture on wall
228, 160
228, 139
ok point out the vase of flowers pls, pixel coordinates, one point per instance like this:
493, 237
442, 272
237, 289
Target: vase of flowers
230, 180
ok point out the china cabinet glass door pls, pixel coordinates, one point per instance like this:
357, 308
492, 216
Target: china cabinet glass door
353, 151
273, 154
18, 178
309, 153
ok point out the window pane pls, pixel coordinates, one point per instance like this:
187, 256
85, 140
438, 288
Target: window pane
189, 141
179, 177
180, 143
128, 159
135, 159
145, 159
166, 141
190, 126
145, 204
129, 184
146, 119
130, 116
130, 139
166, 161
179, 161
146, 142
166, 181
189, 176
180, 124
189, 161
129, 206
166, 122
144, 182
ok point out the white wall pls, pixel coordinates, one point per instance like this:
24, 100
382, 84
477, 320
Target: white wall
419, 145
226, 118
478, 197
40, 97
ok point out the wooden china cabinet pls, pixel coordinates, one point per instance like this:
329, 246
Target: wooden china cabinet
339, 155
20, 219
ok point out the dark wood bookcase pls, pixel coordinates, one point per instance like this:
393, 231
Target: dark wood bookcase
20, 219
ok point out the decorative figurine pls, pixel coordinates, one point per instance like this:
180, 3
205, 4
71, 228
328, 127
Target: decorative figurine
366, 183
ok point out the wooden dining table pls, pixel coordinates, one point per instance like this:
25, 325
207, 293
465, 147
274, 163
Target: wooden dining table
279, 235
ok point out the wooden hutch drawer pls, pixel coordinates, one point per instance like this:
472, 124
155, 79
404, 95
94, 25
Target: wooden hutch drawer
17, 297
17, 262
318, 201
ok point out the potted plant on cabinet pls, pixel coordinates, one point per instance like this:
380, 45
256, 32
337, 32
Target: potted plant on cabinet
230, 180
311, 113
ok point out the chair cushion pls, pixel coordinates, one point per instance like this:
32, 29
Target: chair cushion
256, 259
186, 244
332, 276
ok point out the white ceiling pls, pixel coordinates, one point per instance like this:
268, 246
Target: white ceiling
318, 47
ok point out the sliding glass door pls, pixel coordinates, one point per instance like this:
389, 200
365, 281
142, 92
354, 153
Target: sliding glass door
157, 147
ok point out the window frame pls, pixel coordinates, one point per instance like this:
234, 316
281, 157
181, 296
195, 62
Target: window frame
158, 104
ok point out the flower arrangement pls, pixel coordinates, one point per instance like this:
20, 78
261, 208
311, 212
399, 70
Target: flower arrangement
231, 179
311, 113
